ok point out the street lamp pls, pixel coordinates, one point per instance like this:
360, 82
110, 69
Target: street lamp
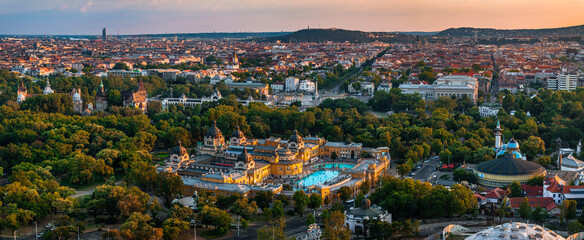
15, 235
77, 233
195, 229
238, 226
36, 232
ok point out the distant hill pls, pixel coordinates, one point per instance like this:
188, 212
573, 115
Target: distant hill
341, 35
418, 33
490, 32
218, 35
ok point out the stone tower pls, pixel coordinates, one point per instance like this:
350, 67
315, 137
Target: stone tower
101, 99
498, 132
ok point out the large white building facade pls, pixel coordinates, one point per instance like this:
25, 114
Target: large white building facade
489, 109
307, 86
292, 84
452, 85
564, 81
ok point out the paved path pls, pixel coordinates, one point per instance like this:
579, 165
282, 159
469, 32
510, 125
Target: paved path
88, 191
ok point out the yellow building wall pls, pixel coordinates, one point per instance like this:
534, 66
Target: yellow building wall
226, 180
259, 174
286, 169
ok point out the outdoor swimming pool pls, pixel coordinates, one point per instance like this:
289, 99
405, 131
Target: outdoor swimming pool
339, 165
316, 178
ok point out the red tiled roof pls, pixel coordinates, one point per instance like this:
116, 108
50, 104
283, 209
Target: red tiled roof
544, 202
496, 193
568, 189
532, 191
479, 197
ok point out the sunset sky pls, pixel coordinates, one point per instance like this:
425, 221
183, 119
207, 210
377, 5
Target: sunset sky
171, 16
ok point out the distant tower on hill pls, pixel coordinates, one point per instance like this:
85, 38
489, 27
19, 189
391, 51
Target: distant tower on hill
498, 131
104, 34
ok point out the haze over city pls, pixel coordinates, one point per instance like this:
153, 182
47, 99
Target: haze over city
171, 16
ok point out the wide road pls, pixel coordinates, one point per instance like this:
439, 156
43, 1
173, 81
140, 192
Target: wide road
335, 89
427, 170
294, 225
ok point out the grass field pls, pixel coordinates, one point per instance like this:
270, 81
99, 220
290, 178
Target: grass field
161, 155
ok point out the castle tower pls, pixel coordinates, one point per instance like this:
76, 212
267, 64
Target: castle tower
21, 93
498, 132
101, 99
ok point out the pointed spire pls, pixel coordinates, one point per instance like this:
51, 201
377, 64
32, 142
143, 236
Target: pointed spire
179, 143
101, 83
48, 83
141, 87
498, 124
22, 88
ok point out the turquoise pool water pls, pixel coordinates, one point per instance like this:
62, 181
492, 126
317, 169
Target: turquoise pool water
316, 178
339, 165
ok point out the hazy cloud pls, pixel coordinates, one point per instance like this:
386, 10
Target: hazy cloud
155, 16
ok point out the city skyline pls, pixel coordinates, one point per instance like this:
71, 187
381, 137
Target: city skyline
88, 17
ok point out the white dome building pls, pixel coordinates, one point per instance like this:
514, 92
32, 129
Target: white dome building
48, 90
77, 101
516, 231
355, 217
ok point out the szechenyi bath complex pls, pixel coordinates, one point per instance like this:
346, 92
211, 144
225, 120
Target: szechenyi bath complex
237, 165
